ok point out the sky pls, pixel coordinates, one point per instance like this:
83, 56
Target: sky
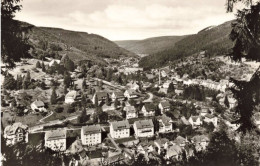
126, 19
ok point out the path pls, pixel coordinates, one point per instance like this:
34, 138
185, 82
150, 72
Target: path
150, 99
41, 120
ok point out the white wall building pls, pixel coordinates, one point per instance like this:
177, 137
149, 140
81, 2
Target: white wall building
144, 128
91, 135
120, 129
56, 139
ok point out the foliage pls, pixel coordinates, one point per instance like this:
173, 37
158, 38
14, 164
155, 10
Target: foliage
9, 82
58, 109
13, 33
38, 65
226, 102
54, 97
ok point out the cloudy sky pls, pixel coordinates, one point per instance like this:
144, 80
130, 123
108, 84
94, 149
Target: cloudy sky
126, 19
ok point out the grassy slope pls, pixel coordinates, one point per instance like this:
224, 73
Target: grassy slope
150, 45
215, 41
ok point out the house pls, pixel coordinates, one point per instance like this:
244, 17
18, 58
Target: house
184, 121
165, 124
179, 91
133, 86
15, 133
164, 106
148, 110
71, 97
195, 121
130, 112
131, 94
173, 152
120, 129
38, 106
56, 139
161, 144
117, 95
101, 96
145, 147
204, 111
180, 141
200, 142
211, 118
54, 61
91, 135
144, 128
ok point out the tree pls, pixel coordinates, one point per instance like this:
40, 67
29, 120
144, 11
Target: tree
58, 109
38, 65
43, 67
67, 80
156, 125
65, 91
83, 100
84, 85
246, 37
9, 82
157, 111
70, 109
116, 103
171, 88
226, 102
83, 116
13, 33
96, 100
54, 96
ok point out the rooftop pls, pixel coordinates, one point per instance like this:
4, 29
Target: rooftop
120, 125
141, 124
91, 129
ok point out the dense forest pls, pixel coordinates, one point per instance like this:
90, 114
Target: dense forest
215, 41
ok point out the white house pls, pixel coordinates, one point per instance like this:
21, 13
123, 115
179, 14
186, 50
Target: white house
52, 62
164, 106
180, 141
15, 133
173, 152
144, 128
91, 135
117, 95
56, 139
195, 121
161, 144
38, 106
200, 142
71, 97
165, 124
133, 86
256, 119
131, 94
101, 96
120, 129
130, 112
148, 110
211, 118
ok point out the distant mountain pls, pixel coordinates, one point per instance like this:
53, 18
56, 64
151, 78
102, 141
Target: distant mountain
214, 40
150, 45
79, 45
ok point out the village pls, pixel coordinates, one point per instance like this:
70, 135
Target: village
109, 115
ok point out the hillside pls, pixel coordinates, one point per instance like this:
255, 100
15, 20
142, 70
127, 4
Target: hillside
150, 45
215, 40
78, 45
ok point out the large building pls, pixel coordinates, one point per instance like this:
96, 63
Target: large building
91, 135
144, 128
15, 133
120, 129
56, 139
148, 110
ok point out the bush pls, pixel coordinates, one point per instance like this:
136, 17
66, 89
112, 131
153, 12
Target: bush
58, 109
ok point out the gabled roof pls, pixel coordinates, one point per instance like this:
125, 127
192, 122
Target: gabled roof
71, 94
149, 107
165, 120
38, 103
101, 94
173, 150
165, 104
200, 138
161, 142
194, 118
120, 125
55, 134
179, 140
130, 109
119, 94
141, 124
91, 129
11, 129
210, 116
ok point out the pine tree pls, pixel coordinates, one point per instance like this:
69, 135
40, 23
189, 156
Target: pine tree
43, 67
38, 65
171, 88
9, 82
84, 85
226, 102
65, 90
83, 100
67, 80
54, 97
96, 100
116, 103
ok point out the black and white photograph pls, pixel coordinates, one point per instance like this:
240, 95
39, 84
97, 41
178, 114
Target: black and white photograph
130, 83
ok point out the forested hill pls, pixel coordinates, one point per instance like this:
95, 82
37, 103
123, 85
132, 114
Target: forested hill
78, 45
214, 40
150, 45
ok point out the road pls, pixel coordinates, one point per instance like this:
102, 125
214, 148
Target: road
110, 84
150, 99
